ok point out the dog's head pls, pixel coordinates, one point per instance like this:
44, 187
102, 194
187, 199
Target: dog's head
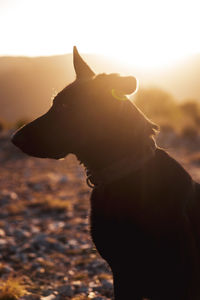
90, 113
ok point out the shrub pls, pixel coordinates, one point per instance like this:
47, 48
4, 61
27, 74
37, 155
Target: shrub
167, 128
12, 289
155, 102
170, 114
191, 108
190, 132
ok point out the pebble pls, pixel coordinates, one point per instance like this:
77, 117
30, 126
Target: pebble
6, 196
2, 233
50, 297
66, 290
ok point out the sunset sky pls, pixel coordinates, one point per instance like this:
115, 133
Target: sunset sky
145, 33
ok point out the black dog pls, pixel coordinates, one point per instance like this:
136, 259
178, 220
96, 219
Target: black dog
144, 205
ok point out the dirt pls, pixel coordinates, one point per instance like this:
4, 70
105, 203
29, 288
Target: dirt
44, 225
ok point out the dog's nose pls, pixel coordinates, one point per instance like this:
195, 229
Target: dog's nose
18, 139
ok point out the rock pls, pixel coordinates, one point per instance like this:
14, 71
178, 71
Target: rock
31, 255
21, 234
35, 266
2, 233
107, 285
63, 179
92, 295
40, 238
43, 241
82, 289
53, 226
96, 266
39, 186
73, 243
5, 269
49, 297
46, 293
3, 242
66, 290
40, 271
106, 288
57, 178
30, 297
6, 196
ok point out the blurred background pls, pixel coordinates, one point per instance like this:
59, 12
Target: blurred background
46, 251
156, 41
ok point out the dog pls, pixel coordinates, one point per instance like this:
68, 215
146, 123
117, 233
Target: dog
145, 207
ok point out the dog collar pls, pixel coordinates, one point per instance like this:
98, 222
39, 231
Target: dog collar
119, 169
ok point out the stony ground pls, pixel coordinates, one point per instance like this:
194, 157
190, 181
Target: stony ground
44, 231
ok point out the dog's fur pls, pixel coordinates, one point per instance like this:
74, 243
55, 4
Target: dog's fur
144, 222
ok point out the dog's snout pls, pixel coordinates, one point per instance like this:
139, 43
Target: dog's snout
18, 139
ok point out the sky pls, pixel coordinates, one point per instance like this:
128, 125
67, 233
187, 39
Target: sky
147, 33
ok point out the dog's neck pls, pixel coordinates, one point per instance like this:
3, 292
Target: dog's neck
103, 167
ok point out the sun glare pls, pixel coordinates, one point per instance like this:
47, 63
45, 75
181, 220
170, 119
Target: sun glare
147, 33
150, 59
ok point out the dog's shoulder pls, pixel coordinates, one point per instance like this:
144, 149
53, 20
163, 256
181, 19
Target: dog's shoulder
162, 187
171, 169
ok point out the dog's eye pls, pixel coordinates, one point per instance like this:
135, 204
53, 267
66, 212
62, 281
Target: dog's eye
118, 95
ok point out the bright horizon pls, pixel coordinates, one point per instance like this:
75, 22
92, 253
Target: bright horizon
147, 33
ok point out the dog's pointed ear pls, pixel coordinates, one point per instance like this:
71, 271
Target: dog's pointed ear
81, 68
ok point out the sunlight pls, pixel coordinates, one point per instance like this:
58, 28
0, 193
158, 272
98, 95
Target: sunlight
147, 33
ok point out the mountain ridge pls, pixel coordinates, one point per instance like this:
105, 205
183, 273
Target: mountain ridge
28, 83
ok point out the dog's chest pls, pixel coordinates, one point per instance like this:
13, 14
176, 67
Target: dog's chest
130, 210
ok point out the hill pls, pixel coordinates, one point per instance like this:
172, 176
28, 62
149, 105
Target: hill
27, 84
182, 80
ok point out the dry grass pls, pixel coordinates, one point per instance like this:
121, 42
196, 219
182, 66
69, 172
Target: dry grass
104, 276
15, 208
12, 288
58, 204
82, 297
49, 203
80, 276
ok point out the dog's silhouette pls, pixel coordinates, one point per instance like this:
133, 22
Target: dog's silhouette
144, 205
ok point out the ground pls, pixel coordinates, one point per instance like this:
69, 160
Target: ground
44, 228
